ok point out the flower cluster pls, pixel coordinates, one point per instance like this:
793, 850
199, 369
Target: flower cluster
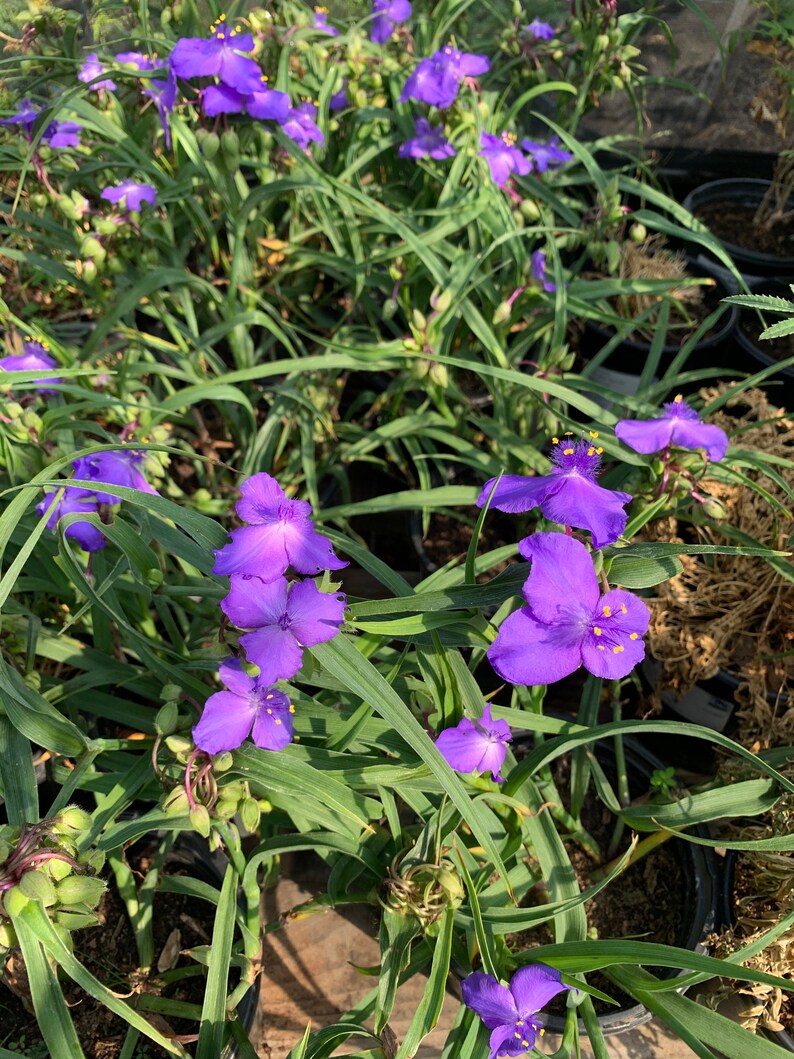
278, 618
121, 467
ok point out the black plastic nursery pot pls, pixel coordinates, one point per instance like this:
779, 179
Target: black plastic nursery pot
764, 353
698, 902
622, 369
743, 196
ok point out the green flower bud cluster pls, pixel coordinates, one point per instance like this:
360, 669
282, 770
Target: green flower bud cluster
44, 863
423, 891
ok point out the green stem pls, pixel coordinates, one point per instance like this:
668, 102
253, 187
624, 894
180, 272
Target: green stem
624, 794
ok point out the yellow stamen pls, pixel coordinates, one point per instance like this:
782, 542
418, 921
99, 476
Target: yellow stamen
623, 608
555, 441
518, 1035
593, 433
269, 711
599, 450
615, 650
607, 612
678, 398
567, 452
525, 1044
279, 722
590, 451
569, 433
596, 630
291, 708
600, 646
268, 696
634, 636
520, 1022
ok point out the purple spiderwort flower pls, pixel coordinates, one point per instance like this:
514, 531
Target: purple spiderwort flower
680, 425
113, 468
137, 59
338, 100
537, 264
130, 195
567, 622
91, 69
301, 127
386, 15
247, 705
546, 155
429, 142
476, 745
281, 534
569, 495
503, 157
321, 22
25, 116
62, 134
436, 80
163, 92
539, 30
222, 56
510, 1012
73, 500
34, 357
284, 619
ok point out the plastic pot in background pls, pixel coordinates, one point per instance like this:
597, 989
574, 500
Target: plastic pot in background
759, 351
701, 886
743, 195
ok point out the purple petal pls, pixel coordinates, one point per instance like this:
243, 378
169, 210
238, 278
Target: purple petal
314, 616
256, 550
273, 724
645, 435
239, 72
504, 1041
235, 677
501, 729
398, 10
473, 65
262, 498
493, 1002
309, 552
269, 105
381, 29
562, 587
195, 57
225, 722
614, 645
691, 435
526, 651
587, 505
533, 987
516, 493
221, 99
253, 603
275, 650
462, 747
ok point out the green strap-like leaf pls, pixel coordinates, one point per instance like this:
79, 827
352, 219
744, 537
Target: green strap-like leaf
213, 1012
432, 1001
52, 1012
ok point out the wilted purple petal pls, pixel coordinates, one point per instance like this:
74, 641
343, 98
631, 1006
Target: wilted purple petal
74, 501
428, 142
546, 155
300, 125
26, 116
539, 30
62, 134
537, 262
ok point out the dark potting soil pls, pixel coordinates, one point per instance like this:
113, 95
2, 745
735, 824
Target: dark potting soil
732, 222
776, 348
642, 904
110, 954
449, 538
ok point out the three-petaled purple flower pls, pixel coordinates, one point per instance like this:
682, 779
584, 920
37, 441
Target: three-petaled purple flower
386, 15
34, 357
91, 69
121, 467
62, 134
476, 745
137, 59
537, 264
436, 80
74, 500
503, 157
567, 622
281, 534
221, 56
569, 495
546, 155
511, 1012
284, 619
130, 195
25, 116
247, 706
321, 22
539, 30
680, 425
429, 142
301, 127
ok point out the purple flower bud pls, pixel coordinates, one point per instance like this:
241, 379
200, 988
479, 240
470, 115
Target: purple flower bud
680, 425
62, 134
539, 30
537, 264
300, 125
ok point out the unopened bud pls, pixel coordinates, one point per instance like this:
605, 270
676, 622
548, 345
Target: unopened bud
530, 210
179, 744
73, 820
167, 719
249, 814
602, 42
200, 820
14, 901
222, 762
57, 869
210, 145
8, 936
38, 887
176, 804
419, 320
713, 507
390, 307
443, 301
80, 890
638, 233
501, 313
